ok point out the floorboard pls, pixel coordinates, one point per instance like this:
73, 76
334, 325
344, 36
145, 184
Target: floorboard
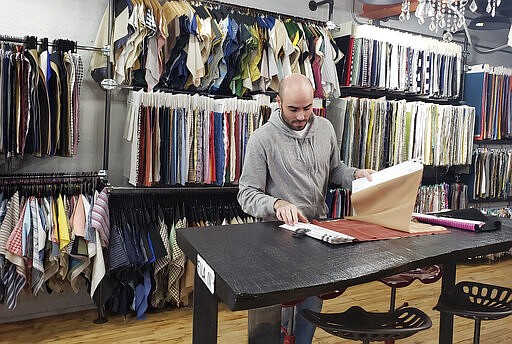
175, 325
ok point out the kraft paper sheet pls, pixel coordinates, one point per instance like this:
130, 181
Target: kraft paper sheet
391, 203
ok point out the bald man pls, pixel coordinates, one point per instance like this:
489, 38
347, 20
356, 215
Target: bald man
288, 165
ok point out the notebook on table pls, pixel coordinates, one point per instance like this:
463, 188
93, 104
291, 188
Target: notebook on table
319, 233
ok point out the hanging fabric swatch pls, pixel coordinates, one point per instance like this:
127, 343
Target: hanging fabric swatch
39, 100
214, 48
400, 62
46, 238
147, 269
179, 138
338, 203
435, 198
489, 90
378, 133
491, 174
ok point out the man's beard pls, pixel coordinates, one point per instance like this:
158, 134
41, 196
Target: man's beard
289, 125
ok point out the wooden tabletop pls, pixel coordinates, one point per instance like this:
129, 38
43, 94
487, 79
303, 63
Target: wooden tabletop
260, 264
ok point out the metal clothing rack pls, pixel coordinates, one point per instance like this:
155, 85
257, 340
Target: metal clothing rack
49, 183
256, 11
43, 41
369, 92
491, 203
177, 91
7, 178
124, 190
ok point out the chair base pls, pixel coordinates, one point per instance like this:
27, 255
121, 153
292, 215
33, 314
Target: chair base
358, 324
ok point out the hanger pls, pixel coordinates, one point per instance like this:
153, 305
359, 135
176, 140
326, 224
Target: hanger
30, 42
43, 46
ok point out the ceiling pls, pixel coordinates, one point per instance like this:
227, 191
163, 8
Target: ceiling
373, 10
489, 37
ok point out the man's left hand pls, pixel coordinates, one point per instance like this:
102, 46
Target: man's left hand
364, 173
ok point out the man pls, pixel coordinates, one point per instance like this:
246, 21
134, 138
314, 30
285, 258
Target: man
288, 164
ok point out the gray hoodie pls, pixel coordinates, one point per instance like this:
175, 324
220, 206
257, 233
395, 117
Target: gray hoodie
281, 164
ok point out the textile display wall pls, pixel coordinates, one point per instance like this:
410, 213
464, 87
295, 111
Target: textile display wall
39, 100
377, 133
178, 139
146, 269
434, 198
396, 61
431, 198
50, 238
489, 90
214, 48
491, 175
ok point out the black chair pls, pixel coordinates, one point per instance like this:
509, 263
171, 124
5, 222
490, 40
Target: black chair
476, 301
358, 324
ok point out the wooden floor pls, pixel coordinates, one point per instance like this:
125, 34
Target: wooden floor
175, 325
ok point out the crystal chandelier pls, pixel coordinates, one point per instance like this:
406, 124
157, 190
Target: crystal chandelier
445, 15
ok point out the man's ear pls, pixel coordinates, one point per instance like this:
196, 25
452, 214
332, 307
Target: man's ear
278, 100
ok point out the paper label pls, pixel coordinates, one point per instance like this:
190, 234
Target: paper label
206, 273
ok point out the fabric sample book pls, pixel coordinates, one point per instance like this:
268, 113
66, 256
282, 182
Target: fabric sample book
388, 200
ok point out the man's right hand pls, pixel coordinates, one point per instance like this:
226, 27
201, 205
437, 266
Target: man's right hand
288, 213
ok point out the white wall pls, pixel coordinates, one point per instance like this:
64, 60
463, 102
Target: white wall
68, 20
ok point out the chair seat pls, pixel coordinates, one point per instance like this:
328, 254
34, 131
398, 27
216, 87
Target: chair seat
429, 274
477, 301
358, 324
292, 303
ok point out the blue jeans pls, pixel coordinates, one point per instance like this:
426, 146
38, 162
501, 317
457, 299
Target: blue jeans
302, 329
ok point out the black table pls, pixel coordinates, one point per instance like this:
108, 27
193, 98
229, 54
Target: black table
258, 265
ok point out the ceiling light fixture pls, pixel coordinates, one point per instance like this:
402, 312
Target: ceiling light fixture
446, 15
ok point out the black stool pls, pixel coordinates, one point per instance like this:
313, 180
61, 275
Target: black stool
476, 301
288, 332
357, 324
425, 275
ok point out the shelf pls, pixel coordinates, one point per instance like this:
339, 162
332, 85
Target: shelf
189, 189
370, 92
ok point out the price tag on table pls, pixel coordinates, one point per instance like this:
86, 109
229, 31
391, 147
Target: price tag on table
206, 273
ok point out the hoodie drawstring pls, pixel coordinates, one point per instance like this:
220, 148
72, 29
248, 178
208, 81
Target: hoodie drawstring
312, 165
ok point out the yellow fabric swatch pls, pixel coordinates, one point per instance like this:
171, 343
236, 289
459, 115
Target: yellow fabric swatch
63, 224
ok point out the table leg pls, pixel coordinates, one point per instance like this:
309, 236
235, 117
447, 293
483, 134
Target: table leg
265, 325
206, 307
446, 320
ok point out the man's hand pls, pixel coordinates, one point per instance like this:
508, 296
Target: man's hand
364, 173
288, 213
